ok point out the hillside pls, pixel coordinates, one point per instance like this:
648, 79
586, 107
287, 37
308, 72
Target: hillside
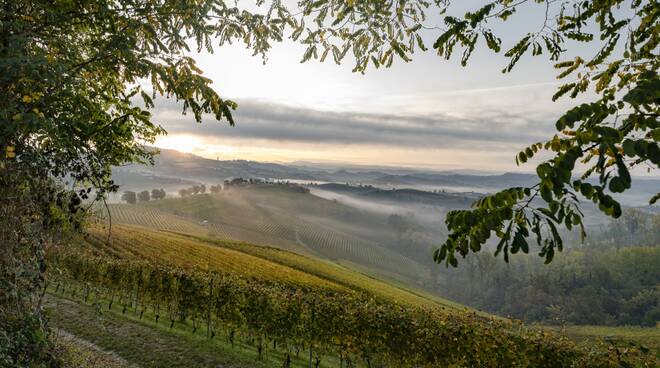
192, 252
403, 196
174, 170
276, 216
258, 297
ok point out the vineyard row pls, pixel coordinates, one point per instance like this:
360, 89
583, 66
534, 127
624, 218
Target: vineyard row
351, 325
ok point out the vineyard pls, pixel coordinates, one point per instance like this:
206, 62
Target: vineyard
154, 218
133, 243
161, 219
276, 218
286, 303
204, 253
352, 327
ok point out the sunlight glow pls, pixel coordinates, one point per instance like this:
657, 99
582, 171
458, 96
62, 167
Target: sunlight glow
182, 143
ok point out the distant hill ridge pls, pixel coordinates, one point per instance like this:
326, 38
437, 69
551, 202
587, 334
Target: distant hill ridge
187, 165
405, 195
171, 165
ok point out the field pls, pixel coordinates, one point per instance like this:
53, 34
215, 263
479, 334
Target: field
275, 216
648, 337
130, 242
267, 263
346, 276
273, 272
277, 303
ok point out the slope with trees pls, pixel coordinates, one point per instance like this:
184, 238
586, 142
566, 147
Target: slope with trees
217, 291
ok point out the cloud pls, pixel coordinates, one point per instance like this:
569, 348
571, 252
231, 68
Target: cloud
258, 120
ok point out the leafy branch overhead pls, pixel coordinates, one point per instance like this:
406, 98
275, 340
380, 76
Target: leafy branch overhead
597, 144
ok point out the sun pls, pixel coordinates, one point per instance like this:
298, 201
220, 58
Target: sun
180, 142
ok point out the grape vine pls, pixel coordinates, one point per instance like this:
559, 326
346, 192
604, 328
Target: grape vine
354, 326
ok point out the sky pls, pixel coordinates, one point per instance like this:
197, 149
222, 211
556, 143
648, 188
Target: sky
428, 113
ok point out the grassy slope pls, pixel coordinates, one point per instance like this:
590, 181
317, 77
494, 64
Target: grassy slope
145, 344
276, 216
248, 260
648, 337
178, 241
79, 353
346, 276
134, 242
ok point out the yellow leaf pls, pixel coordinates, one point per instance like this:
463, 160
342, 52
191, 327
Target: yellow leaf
27, 99
9, 152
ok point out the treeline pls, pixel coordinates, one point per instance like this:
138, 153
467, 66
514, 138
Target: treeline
611, 280
131, 197
633, 228
242, 182
612, 287
353, 326
235, 183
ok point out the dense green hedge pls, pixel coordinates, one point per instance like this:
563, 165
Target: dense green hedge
354, 326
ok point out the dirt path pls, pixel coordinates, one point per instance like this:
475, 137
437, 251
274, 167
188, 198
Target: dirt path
83, 353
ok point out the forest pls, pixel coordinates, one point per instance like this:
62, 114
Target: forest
612, 279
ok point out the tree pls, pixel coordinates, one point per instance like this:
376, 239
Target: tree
194, 189
143, 196
216, 188
202, 189
184, 192
609, 136
129, 197
158, 194
70, 75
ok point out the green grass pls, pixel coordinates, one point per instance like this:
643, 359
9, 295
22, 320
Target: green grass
648, 337
140, 341
78, 353
144, 343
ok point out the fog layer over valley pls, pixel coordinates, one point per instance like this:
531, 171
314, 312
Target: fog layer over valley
176, 169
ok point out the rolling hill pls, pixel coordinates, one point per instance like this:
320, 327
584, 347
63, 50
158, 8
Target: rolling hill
257, 296
191, 251
276, 216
